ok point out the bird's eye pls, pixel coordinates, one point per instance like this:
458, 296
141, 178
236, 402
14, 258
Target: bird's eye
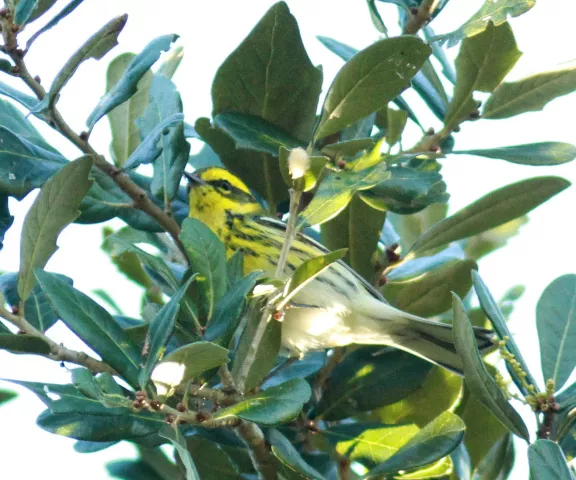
224, 185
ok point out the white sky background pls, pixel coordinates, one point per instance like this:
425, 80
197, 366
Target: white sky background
209, 31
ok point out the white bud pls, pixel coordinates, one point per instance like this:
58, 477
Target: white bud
298, 163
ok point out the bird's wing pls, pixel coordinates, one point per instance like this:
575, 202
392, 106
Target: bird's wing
275, 223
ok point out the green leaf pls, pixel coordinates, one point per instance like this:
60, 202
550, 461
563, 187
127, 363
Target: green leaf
6, 219
188, 362
23, 99
93, 325
369, 80
556, 322
356, 228
430, 294
95, 47
496, 317
441, 391
24, 166
82, 446
267, 350
67, 10
306, 272
536, 154
54, 208
436, 440
348, 147
127, 85
369, 378
172, 62
481, 384
24, 344
125, 134
275, 405
376, 18
179, 443
228, 311
345, 52
336, 190
219, 461
208, 258
24, 10
396, 122
14, 120
160, 330
6, 396
483, 62
165, 102
287, 370
283, 84
530, 94
495, 11
250, 132
289, 456
496, 208
499, 461
547, 462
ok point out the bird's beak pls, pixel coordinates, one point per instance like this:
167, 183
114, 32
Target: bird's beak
193, 179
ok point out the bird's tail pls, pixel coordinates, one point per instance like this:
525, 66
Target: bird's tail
427, 339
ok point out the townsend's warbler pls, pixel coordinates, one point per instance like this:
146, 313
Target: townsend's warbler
338, 307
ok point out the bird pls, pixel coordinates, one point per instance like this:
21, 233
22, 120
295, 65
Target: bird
338, 307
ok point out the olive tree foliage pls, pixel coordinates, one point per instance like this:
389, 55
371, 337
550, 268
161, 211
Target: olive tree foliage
202, 369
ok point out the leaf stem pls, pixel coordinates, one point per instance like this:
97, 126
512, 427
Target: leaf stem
138, 195
58, 352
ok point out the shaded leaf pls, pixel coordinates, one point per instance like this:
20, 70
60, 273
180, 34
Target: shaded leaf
93, 325
536, 154
479, 381
288, 369
495, 11
125, 134
369, 80
95, 47
498, 207
177, 439
498, 463
547, 462
24, 10
275, 405
483, 62
6, 219
6, 396
24, 344
127, 85
396, 123
556, 322
14, 120
53, 209
82, 446
289, 456
529, 94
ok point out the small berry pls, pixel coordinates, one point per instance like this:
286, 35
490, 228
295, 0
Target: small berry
37, 79
278, 316
202, 416
180, 407
169, 419
341, 164
155, 405
83, 136
414, 11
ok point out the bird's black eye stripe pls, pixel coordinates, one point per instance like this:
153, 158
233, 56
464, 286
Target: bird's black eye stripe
223, 185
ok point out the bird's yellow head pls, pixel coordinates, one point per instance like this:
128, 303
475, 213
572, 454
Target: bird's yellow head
215, 193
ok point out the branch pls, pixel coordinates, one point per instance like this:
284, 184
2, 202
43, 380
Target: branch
139, 197
252, 436
420, 17
58, 352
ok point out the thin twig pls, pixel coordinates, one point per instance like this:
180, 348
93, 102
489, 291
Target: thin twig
420, 17
58, 352
139, 196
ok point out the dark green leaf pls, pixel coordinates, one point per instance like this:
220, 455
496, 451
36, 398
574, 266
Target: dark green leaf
82, 446
165, 102
536, 154
93, 325
189, 361
95, 47
306, 272
336, 191
132, 469
495, 11
6, 396
496, 317
435, 100
24, 10
289, 456
496, 208
250, 132
556, 322
348, 147
275, 405
547, 462
219, 461
396, 123
430, 294
53, 209
67, 10
228, 311
12, 119
23, 344
367, 82
179, 443
208, 258
235, 267
288, 369
6, 219
436, 440
23, 165
481, 384
160, 330
125, 134
376, 18
483, 62
22, 98
530, 94
127, 85
345, 52
498, 463
369, 378
440, 54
